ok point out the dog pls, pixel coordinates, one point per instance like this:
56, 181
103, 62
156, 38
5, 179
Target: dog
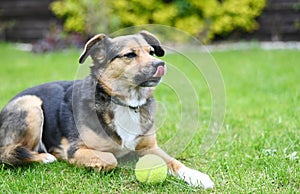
94, 121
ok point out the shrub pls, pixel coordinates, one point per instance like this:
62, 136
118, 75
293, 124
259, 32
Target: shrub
85, 16
203, 19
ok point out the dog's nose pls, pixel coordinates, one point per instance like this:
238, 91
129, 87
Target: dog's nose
158, 63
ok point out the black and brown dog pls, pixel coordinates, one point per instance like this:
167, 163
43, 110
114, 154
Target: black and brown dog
94, 121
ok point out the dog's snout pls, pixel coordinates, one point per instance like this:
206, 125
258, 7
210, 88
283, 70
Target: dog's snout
158, 63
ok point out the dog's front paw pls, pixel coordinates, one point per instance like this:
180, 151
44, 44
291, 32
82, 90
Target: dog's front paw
195, 178
48, 158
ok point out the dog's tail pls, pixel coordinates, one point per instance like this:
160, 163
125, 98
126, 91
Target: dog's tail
14, 155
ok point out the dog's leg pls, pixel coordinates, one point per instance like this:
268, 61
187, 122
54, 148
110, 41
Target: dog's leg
21, 128
148, 145
95, 159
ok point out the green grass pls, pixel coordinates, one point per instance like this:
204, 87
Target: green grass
257, 150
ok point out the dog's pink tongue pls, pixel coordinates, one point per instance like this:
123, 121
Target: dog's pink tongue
161, 71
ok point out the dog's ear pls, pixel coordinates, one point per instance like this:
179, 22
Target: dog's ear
154, 42
94, 43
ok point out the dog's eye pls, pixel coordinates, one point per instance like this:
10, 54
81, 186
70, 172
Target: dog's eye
130, 55
151, 52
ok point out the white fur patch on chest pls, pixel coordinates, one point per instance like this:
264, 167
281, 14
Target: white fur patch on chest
128, 126
134, 100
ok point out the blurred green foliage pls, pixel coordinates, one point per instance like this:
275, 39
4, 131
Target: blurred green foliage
202, 18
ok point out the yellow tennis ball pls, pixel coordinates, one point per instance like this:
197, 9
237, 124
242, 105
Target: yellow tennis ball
151, 169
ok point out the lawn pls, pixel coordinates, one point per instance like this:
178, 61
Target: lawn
257, 150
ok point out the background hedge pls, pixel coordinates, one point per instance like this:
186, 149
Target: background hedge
203, 19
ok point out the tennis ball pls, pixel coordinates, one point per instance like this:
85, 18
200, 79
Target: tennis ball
151, 169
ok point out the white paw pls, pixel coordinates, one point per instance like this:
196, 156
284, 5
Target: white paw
195, 178
49, 158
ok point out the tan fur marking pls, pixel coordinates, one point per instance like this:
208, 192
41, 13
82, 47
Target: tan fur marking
98, 142
37, 157
27, 101
146, 143
175, 165
108, 118
61, 153
34, 119
95, 159
107, 89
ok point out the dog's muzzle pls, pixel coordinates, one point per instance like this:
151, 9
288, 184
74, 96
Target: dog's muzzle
159, 70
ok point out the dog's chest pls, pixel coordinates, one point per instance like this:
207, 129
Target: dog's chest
128, 126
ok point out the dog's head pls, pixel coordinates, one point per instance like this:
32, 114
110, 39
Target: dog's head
125, 61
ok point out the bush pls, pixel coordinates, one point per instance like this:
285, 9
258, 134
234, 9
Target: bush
203, 19
85, 16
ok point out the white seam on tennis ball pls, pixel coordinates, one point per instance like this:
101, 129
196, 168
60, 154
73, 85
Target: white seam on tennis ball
149, 172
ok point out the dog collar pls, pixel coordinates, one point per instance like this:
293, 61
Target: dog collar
136, 109
107, 97
115, 100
